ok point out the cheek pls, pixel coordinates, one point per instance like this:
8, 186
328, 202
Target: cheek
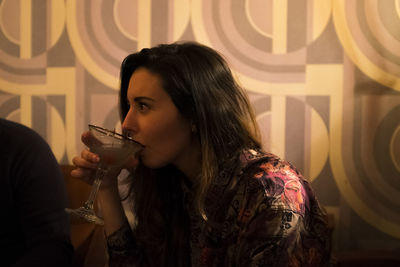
165, 142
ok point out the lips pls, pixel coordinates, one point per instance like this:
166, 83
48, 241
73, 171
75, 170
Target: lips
140, 152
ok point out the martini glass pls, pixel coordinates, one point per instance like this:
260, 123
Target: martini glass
114, 150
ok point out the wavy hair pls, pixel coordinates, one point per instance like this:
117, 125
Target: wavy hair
203, 89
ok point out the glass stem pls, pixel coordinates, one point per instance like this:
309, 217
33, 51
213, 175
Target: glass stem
100, 173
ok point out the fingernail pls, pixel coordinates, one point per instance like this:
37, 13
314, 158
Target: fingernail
96, 158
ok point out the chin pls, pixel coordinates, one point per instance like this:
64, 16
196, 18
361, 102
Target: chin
153, 164
148, 163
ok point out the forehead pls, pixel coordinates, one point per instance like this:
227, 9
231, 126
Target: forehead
145, 83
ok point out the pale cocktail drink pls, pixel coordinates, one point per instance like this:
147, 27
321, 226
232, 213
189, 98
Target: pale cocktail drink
114, 150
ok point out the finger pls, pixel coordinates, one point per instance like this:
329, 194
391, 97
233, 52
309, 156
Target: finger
83, 163
90, 156
82, 173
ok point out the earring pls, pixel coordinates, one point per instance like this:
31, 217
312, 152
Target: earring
194, 128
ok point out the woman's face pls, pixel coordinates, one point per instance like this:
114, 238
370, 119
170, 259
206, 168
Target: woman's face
154, 121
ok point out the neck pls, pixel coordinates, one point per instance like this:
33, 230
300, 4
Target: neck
190, 163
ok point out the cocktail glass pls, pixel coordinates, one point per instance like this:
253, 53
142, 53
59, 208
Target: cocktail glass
114, 150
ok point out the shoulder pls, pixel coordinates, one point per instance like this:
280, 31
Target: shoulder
279, 210
256, 159
13, 130
278, 181
25, 154
20, 138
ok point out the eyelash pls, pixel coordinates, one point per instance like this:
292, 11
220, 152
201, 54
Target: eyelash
141, 106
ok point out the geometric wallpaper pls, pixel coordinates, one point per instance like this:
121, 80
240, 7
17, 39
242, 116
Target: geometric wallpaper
322, 75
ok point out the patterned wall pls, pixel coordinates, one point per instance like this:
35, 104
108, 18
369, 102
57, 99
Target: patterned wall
322, 75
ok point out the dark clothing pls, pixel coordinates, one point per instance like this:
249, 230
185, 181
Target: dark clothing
34, 228
265, 215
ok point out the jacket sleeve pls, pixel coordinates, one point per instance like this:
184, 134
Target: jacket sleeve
123, 249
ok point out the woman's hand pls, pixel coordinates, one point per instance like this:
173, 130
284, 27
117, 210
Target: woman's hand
87, 163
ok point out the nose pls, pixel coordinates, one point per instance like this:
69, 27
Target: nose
129, 125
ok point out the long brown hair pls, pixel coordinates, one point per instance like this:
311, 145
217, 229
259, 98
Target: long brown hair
203, 89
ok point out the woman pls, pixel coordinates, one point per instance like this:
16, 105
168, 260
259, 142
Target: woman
203, 192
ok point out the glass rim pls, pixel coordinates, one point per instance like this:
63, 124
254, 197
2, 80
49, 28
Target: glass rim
106, 131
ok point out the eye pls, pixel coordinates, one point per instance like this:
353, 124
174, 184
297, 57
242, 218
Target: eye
142, 107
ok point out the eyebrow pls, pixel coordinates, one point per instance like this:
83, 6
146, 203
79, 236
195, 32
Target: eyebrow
141, 98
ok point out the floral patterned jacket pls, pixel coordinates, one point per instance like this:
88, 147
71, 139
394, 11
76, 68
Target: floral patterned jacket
266, 215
